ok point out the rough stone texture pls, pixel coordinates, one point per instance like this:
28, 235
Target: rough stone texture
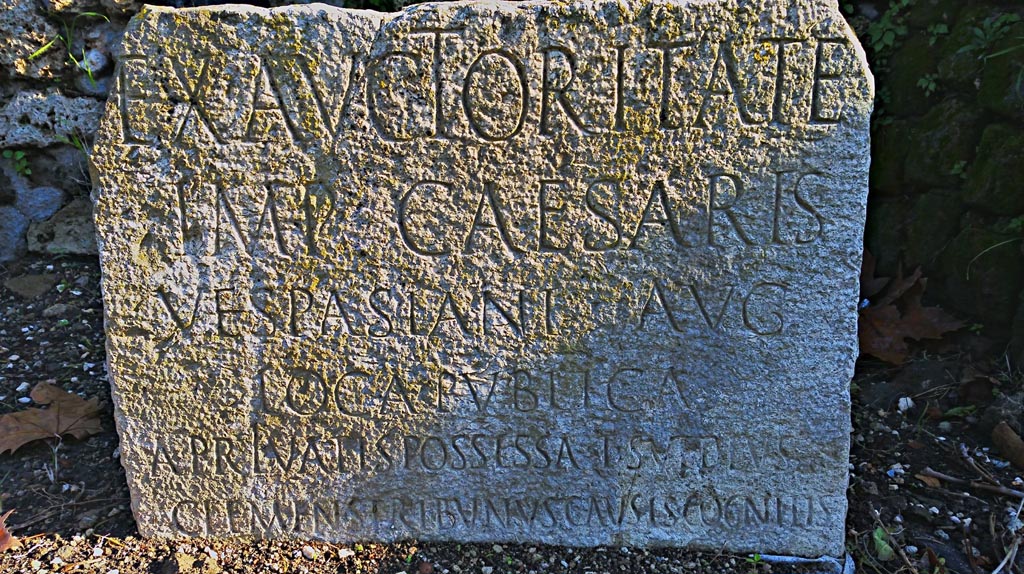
1002, 87
8, 188
70, 231
36, 118
987, 264
39, 203
579, 273
23, 30
990, 180
945, 137
13, 225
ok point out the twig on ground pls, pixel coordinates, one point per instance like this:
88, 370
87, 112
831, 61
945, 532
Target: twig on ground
973, 483
1011, 554
969, 549
966, 457
992, 533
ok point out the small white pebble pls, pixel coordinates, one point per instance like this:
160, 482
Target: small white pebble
97, 552
346, 553
211, 553
114, 571
24, 400
13, 358
487, 570
24, 387
933, 510
905, 404
955, 520
309, 552
497, 548
910, 549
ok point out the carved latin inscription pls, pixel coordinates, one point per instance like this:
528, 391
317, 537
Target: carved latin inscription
569, 273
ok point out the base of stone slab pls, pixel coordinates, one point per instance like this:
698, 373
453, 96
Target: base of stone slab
823, 565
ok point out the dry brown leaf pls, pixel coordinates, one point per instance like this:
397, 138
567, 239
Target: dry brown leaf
897, 315
880, 335
869, 284
1009, 444
929, 480
935, 564
7, 541
922, 322
67, 414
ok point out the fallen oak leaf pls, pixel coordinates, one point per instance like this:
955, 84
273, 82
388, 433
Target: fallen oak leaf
67, 414
880, 334
896, 316
922, 322
869, 284
7, 541
929, 480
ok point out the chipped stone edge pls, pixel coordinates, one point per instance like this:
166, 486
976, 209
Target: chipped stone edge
824, 565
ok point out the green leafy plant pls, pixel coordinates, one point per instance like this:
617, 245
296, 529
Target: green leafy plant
936, 31
18, 160
883, 549
68, 39
960, 412
990, 31
1015, 225
72, 137
928, 83
959, 169
755, 560
884, 34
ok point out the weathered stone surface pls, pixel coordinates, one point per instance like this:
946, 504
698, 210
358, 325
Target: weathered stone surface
944, 140
13, 225
40, 119
38, 203
69, 232
575, 273
23, 30
990, 182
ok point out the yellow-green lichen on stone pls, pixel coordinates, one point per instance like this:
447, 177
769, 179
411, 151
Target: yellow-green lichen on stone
566, 272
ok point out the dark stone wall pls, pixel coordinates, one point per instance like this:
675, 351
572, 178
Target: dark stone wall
947, 180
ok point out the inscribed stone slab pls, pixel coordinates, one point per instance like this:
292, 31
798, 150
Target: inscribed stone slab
577, 273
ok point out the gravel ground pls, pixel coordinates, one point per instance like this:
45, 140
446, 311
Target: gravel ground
71, 507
